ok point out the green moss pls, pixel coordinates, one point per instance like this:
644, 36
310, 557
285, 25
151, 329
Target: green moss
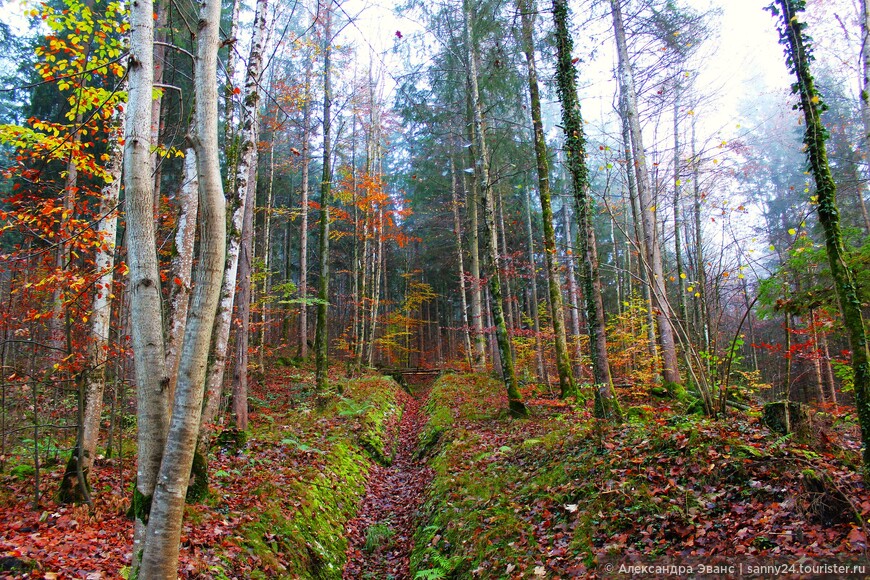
198, 488
300, 530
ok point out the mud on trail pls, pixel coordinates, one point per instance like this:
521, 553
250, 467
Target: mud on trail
381, 536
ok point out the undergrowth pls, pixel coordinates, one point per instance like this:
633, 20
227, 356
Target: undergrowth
562, 493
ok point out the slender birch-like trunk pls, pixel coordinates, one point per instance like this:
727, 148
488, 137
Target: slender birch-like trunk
303, 208
247, 180
182, 265
457, 227
144, 279
82, 457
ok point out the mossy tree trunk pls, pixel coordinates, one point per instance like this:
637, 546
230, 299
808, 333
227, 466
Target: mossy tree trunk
798, 58
567, 387
606, 404
515, 401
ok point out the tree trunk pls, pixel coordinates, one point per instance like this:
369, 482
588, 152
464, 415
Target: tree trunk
303, 229
865, 98
160, 556
647, 206
182, 265
144, 278
321, 338
82, 458
606, 404
515, 402
678, 251
567, 387
471, 197
573, 291
247, 180
792, 35
457, 227
643, 274
536, 319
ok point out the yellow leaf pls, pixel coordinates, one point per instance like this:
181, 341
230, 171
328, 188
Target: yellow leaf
683, 276
690, 288
792, 231
815, 99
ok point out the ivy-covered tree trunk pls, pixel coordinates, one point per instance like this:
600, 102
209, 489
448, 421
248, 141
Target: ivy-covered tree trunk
567, 387
798, 59
606, 405
515, 401
321, 337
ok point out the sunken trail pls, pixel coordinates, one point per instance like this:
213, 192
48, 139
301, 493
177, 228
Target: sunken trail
381, 536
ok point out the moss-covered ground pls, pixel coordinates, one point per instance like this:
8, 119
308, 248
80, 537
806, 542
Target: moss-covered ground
562, 495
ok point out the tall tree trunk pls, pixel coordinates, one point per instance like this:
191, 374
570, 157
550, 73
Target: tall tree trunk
74, 486
247, 180
479, 338
144, 279
678, 250
229, 136
321, 338
536, 319
457, 227
865, 99
648, 208
573, 291
161, 12
505, 259
567, 387
160, 556
378, 272
792, 35
267, 264
303, 208
515, 402
700, 264
606, 404
643, 274
182, 265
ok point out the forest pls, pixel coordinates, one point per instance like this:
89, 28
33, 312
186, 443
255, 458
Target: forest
434, 289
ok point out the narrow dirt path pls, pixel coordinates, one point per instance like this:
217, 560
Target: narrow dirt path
381, 536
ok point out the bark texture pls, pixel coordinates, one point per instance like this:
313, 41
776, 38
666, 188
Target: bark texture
606, 405
515, 402
160, 555
554, 280
798, 59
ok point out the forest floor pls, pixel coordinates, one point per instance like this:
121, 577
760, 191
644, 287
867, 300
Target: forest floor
445, 483
381, 536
